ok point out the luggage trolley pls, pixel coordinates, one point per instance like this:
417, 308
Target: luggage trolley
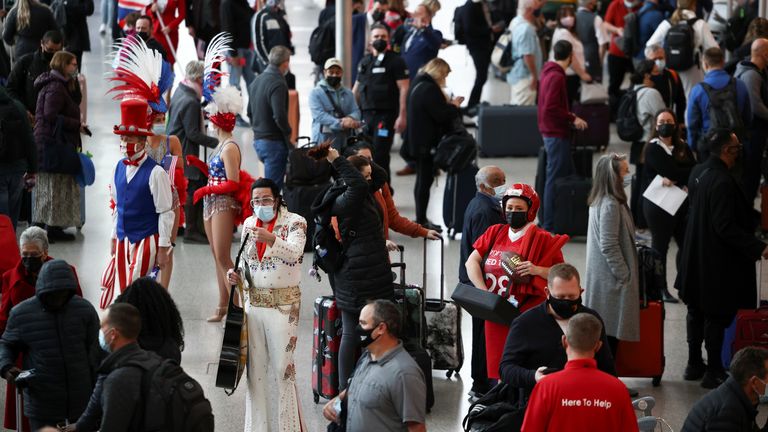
648, 422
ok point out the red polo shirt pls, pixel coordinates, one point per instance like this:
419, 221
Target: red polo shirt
580, 398
615, 15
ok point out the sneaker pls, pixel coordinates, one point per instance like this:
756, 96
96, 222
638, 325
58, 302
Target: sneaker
102, 29
694, 372
713, 379
241, 122
430, 226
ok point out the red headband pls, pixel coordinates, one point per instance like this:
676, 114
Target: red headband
226, 121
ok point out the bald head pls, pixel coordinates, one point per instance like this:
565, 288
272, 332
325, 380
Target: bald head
759, 53
489, 177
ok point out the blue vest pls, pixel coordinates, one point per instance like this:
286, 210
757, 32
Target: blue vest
136, 214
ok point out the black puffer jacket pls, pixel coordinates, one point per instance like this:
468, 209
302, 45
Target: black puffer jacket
61, 346
725, 409
364, 273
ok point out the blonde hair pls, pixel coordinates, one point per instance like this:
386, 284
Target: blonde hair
682, 5
24, 13
437, 68
61, 60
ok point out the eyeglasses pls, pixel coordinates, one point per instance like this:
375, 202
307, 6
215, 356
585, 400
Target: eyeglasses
266, 201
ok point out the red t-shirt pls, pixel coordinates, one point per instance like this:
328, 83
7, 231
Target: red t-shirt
580, 398
615, 15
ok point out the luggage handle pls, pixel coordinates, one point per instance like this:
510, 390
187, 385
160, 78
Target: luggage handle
442, 270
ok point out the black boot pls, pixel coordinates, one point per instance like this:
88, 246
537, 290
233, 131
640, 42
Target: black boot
668, 297
660, 275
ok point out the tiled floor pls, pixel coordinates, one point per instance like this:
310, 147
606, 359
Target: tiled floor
193, 285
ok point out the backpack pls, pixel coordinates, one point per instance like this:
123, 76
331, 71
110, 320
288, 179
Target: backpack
322, 42
678, 45
501, 56
627, 124
58, 7
10, 124
327, 248
174, 401
629, 42
723, 108
735, 29
459, 32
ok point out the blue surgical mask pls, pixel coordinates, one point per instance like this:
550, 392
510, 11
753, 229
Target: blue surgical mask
103, 342
763, 398
498, 191
264, 213
627, 181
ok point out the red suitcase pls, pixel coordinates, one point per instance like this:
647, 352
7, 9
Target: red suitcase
326, 338
644, 359
752, 324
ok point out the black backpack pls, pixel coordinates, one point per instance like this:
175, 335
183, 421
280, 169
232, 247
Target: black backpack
627, 124
678, 45
629, 42
328, 249
723, 108
322, 42
174, 401
459, 32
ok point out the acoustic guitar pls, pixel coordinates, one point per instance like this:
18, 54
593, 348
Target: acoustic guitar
234, 347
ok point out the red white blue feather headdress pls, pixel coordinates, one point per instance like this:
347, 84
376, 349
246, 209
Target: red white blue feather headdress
215, 56
141, 72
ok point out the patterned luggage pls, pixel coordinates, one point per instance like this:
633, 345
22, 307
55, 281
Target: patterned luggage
326, 338
443, 317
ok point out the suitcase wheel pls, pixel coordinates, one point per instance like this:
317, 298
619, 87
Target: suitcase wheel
315, 397
656, 381
449, 373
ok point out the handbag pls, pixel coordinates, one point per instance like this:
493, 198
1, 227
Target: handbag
61, 157
455, 152
501, 409
593, 93
484, 304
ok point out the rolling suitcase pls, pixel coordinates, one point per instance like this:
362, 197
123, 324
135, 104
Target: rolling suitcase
326, 338
598, 117
582, 161
750, 327
459, 190
444, 341
572, 211
508, 131
410, 298
644, 359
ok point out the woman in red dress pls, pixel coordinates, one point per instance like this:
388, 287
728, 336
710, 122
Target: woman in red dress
513, 261
18, 284
166, 17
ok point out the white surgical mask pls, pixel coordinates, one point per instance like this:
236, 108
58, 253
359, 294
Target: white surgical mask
661, 64
568, 21
103, 342
158, 128
627, 181
264, 213
629, 4
498, 191
763, 397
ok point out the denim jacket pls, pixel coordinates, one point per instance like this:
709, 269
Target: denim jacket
324, 124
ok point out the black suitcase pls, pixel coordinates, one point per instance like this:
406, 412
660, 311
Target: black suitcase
598, 117
460, 188
571, 209
422, 358
299, 200
326, 338
508, 131
582, 161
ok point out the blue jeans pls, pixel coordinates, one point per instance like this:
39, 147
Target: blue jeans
559, 164
11, 186
274, 155
236, 71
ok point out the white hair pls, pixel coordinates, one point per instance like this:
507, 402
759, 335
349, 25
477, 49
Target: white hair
650, 50
524, 5
484, 174
225, 100
35, 235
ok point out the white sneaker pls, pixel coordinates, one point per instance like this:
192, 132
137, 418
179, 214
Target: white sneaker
102, 29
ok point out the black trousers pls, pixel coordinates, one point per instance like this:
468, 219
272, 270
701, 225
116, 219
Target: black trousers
664, 227
380, 126
753, 161
709, 329
636, 197
194, 212
425, 176
481, 57
480, 382
617, 68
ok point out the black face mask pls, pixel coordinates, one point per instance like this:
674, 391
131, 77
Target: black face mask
32, 264
48, 56
564, 308
517, 219
379, 45
365, 336
666, 130
377, 16
143, 35
333, 81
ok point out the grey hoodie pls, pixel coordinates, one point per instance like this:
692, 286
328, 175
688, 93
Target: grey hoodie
757, 88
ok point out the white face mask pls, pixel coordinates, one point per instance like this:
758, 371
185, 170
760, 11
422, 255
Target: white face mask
568, 21
661, 64
627, 181
498, 191
264, 213
158, 128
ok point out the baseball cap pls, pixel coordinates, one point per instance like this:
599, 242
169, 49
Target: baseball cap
333, 61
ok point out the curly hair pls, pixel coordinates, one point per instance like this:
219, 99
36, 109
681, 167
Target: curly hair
159, 314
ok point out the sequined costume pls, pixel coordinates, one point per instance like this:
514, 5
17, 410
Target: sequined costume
217, 174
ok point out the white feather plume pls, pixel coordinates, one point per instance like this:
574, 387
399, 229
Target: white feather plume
132, 55
225, 100
215, 56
